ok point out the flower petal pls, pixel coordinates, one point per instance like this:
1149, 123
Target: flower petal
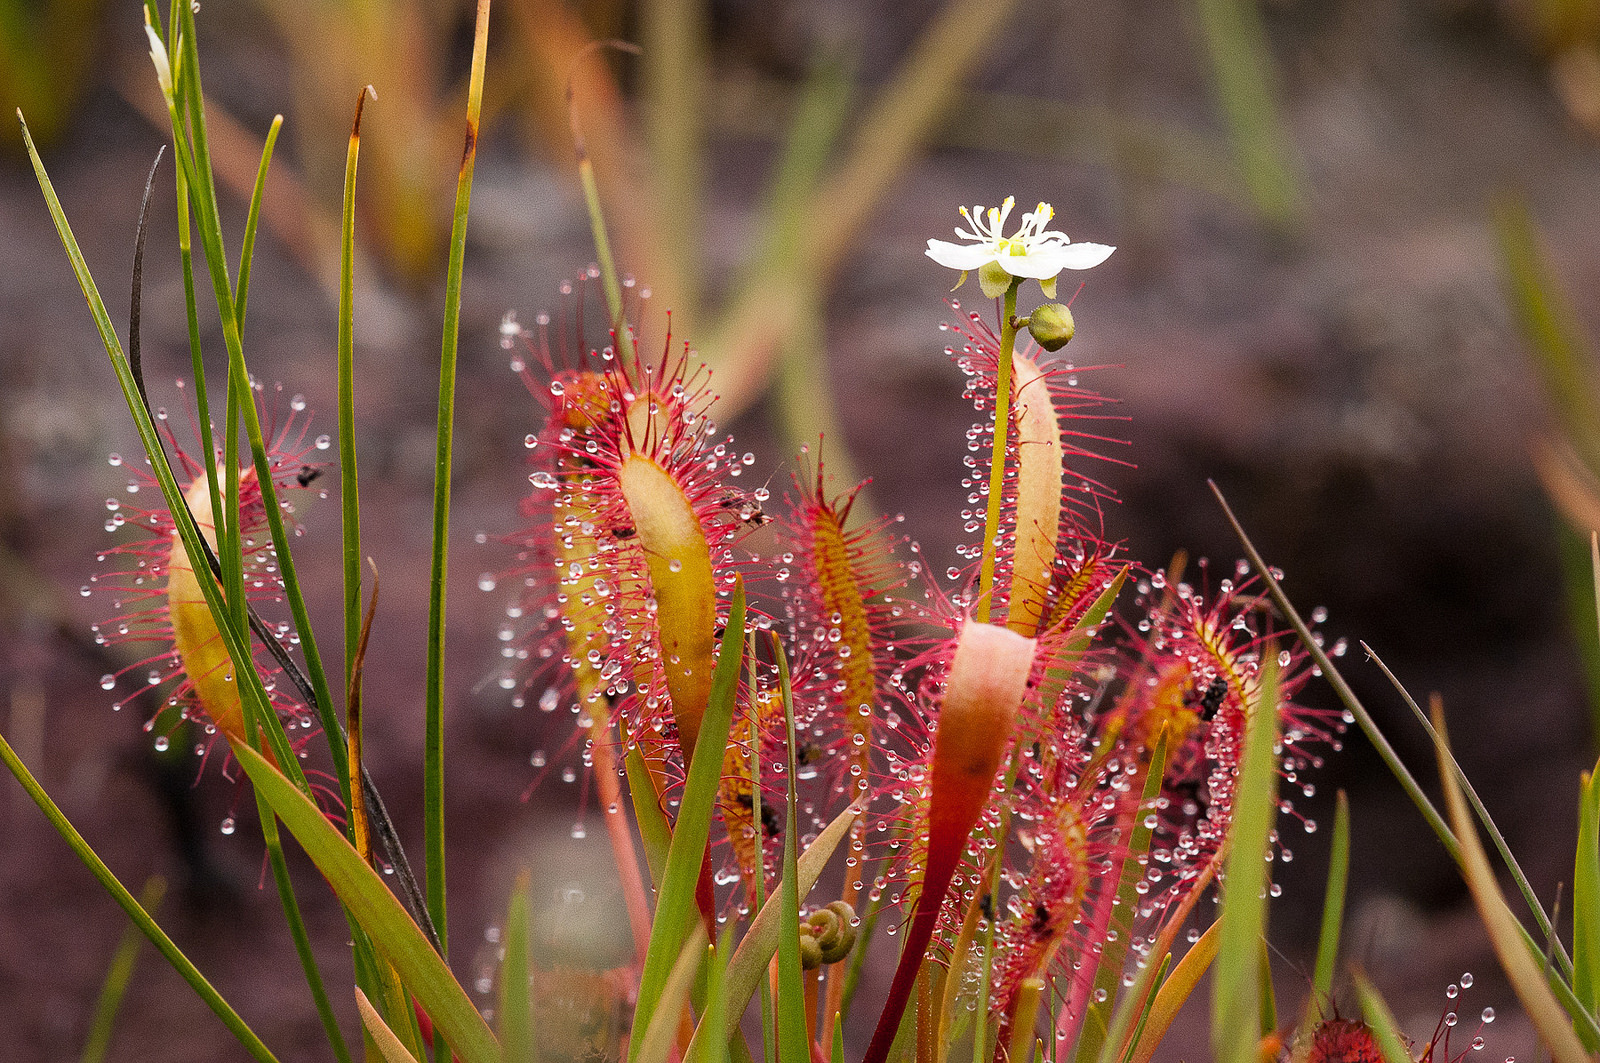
1037, 264
959, 256
1084, 256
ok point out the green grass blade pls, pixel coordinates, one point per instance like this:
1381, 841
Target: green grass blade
297, 932
1114, 954
674, 77
118, 976
349, 481
1144, 1012
1551, 328
1381, 1021
1174, 992
433, 741
365, 894
136, 912
241, 291
747, 969
1518, 958
1269, 1000
655, 1043
251, 691
655, 833
715, 1017
516, 1000
838, 1039
1236, 990
1333, 906
1133, 1007
1243, 70
1525, 887
794, 1039
1586, 898
1335, 679
389, 1046
675, 904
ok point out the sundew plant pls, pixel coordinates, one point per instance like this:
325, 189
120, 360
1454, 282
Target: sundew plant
1049, 784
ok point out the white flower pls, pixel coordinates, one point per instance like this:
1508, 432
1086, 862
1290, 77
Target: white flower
1032, 252
158, 56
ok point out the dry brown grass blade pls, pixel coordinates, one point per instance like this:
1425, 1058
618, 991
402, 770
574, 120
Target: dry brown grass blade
1568, 482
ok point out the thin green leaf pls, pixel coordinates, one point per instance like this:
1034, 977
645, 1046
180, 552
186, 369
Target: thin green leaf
1114, 954
715, 1015
251, 691
1141, 997
384, 1040
515, 1013
794, 1039
297, 933
1551, 329
1499, 839
433, 725
1333, 905
1586, 898
1380, 1020
1133, 1008
656, 1043
118, 975
838, 1039
674, 77
1144, 1012
1522, 967
349, 482
1386, 752
1174, 993
1269, 1000
136, 912
1236, 990
675, 905
748, 967
367, 897
1242, 67
654, 831
241, 292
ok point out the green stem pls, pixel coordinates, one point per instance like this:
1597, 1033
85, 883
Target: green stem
297, 930
997, 456
136, 912
433, 742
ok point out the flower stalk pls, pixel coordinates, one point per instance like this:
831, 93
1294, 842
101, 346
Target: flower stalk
997, 452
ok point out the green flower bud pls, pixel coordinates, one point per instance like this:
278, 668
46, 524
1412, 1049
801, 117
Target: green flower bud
1051, 326
810, 951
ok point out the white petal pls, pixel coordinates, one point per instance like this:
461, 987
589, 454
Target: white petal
1035, 265
1084, 256
959, 256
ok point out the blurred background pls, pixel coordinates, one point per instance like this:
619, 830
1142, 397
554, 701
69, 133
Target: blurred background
1343, 232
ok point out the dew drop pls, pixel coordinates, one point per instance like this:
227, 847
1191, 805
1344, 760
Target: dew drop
108, 681
486, 581
324, 441
228, 825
